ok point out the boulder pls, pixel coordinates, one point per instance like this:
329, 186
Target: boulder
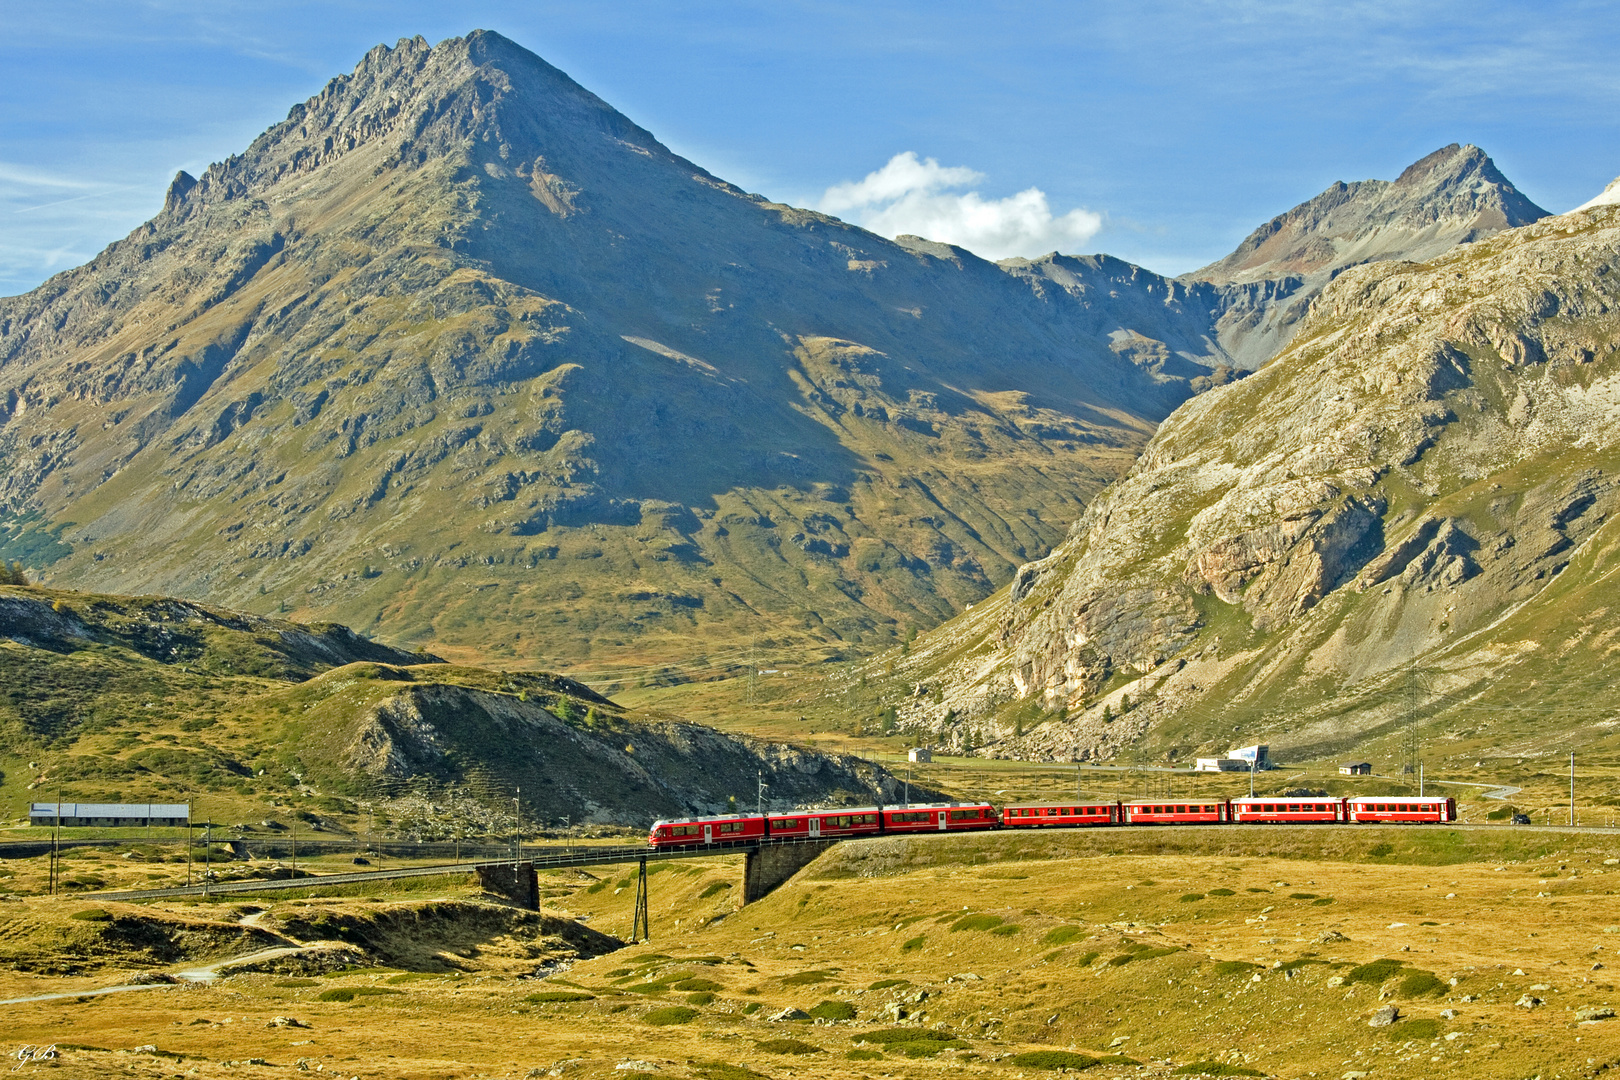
1384, 1017
1529, 1002
790, 1013
1594, 1013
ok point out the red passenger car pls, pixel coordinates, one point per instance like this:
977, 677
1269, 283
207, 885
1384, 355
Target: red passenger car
686, 832
1288, 810
939, 817
1172, 812
1066, 815
1403, 810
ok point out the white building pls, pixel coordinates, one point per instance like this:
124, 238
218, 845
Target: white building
1258, 756
1220, 764
922, 754
111, 815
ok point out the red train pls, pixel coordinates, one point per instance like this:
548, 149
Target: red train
960, 817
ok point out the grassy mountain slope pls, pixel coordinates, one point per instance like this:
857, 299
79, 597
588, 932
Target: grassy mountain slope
1408, 514
107, 698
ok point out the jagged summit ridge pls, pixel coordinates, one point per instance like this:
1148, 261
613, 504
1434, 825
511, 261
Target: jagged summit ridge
1453, 196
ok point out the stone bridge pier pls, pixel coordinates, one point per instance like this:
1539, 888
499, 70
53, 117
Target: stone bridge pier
765, 868
518, 882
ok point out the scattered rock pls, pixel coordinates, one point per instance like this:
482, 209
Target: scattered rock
966, 976
1332, 937
1529, 1002
635, 1066
1594, 1013
151, 978
1384, 1017
1448, 1014
1337, 980
790, 1013
286, 1022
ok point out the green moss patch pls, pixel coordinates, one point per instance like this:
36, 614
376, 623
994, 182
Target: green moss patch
1062, 935
1374, 973
349, 993
807, 978
1215, 1068
833, 1010
1054, 1059
547, 997
976, 922
1420, 984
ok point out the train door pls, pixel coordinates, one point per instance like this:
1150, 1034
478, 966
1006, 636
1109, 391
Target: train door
708, 834
942, 821
815, 826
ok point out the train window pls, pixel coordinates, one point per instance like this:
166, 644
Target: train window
731, 826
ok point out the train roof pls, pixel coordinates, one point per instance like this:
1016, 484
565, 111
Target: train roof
1050, 802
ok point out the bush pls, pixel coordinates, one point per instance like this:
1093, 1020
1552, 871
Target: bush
1376, 972
1007, 930
895, 1036
1378, 851
833, 1010
714, 887
1424, 1029
1420, 984
674, 1014
807, 978
1192, 897
1062, 935
1215, 1068
1302, 896
697, 984
1221, 892
701, 998
787, 1046
93, 914
548, 997
720, 1070
914, 944
349, 993
884, 984
1054, 1059
864, 1055
976, 922
1234, 967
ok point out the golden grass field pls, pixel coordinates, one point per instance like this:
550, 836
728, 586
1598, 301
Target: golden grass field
1147, 952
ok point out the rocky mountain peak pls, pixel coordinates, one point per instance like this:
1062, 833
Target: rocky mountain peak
1453, 196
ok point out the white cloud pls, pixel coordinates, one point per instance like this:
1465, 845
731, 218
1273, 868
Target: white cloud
919, 196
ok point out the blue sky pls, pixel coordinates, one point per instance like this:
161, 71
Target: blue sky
1161, 131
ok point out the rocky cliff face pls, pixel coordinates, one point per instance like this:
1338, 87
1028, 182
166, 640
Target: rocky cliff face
1424, 481
459, 353
1454, 196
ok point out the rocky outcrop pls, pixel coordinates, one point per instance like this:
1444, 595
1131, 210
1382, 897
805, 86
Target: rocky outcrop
1426, 475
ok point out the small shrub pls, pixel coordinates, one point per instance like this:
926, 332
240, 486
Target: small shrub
293, 983
864, 1055
720, 1070
1192, 897
895, 1036
349, 993
1054, 1059
1007, 930
599, 886
1302, 896
714, 887
1062, 935
1420, 984
1088, 959
1222, 892
1375, 972
93, 914
751, 1008
1424, 1029
807, 978
1234, 967
833, 1010
884, 984
703, 997
788, 1046
696, 984
1378, 851
674, 1014
976, 922
547, 997
1321, 901
1215, 1068
1121, 960
914, 944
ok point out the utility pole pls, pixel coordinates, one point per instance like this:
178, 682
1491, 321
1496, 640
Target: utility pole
208, 854
517, 827
1420, 779
1252, 766
753, 669
56, 845
1412, 746
759, 794
1572, 787
295, 845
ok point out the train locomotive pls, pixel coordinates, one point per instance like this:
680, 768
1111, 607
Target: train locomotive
971, 817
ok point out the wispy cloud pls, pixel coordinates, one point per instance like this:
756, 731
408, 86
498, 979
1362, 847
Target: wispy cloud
922, 197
